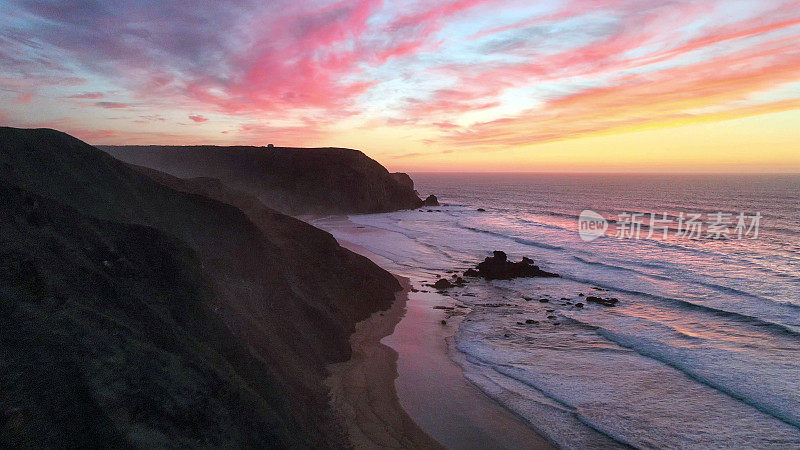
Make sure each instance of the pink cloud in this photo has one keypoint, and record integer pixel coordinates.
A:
(626, 100)
(88, 95)
(310, 58)
(571, 9)
(152, 118)
(93, 135)
(669, 96)
(23, 98)
(478, 85)
(317, 63)
(112, 105)
(298, 64)
(411, 31)
(309, 134)
(431, 17)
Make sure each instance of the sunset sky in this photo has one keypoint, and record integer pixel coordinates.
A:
(437, 85)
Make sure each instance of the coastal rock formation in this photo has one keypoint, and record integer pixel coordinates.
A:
(442, 284)
(498, 267)
(431, 200)
(138, 314)
(290, 180)
(404, 180)
(602, 301)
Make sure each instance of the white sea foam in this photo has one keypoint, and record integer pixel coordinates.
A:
(703, 349)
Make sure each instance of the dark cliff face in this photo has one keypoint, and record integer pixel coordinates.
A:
(404, 180)
(137, 314)
(318, 261)
(290, 180)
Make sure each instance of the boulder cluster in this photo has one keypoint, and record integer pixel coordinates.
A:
(443, 283)
(611, 301)
(498, 267)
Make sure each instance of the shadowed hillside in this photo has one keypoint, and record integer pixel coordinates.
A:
(142, 315)
(290, 180)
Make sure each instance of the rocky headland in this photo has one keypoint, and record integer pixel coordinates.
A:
(142, 310)
(293, 181)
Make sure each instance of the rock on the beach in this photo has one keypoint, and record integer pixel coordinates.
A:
(442, 284)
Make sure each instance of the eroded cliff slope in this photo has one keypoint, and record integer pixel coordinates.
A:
(138, 314)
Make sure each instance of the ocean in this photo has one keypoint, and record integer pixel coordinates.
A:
(703, 348)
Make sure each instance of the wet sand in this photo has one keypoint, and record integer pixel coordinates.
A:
(362, 389)
(402, 390)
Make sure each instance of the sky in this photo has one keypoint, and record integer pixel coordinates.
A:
(435, 85)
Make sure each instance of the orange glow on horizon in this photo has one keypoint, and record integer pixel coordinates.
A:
(440, 85)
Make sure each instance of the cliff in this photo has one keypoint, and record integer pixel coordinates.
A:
(290, 180)
(139, 314)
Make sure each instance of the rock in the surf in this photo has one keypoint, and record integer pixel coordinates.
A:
(431, 201)
(602, 301)
(498, 267)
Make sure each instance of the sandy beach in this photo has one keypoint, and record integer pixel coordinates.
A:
(362, 389)
(401, 389)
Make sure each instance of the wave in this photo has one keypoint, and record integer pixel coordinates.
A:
(660, 277)
(660, 352)
(714, 286)
(625, 269)
(742, 317)
(513, 373)
(763, 227)
(512, 238)
(717, 287)
(408, 233)
(667, 244)
(671, 246)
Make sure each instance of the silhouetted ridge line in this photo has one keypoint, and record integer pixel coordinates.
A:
(290, 180)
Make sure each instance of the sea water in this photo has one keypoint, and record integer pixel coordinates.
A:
(703, 348)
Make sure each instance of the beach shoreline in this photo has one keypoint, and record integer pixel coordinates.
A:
(362, 392)
(402, 389)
